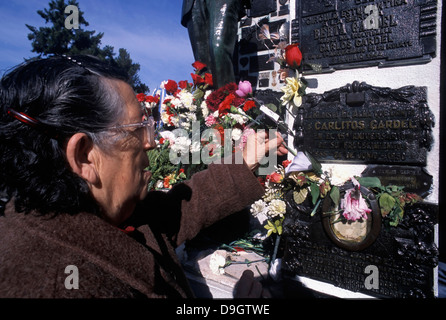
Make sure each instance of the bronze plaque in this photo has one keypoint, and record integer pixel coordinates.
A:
(341, 34)
(359, 123)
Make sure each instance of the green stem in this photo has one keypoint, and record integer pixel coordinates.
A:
(276, 248)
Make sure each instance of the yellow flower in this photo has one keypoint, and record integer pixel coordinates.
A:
(291, 92)
(275, 227)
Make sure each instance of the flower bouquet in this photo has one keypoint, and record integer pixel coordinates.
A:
(197, 125)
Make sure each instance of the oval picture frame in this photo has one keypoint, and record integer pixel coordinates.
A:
(349, 235)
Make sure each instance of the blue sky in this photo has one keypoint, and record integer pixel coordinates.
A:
(149, 29)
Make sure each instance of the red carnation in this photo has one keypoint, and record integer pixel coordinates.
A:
(208, 79)
(249, 105)
(141, 97)
(197, 78)
(198, 65)
(171, 86)
(216, 97)
(152, 99)
(183, 84)
(225, 106)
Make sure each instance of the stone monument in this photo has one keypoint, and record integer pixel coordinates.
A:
(372, 109)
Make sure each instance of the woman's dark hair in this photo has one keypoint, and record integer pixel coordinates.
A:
(68, 95)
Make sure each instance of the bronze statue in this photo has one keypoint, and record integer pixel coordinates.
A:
(212, 27)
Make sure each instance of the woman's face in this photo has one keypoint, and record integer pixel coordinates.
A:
(123, 178)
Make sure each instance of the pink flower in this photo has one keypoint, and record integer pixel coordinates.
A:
(246, 133)
(244, 88)
(210, 120)
(353, 204)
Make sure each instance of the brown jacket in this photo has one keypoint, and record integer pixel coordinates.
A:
(36, 250)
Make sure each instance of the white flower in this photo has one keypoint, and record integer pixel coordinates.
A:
(164, 117)
(236, 134)
(149, 105)
(162, 84)
(186, 99)
(191, 116)
(204, 109)
(206, 94)
(259, 210)
(176, 102)
(276, 207)
(240, 119)
(175, 121)
(182, 144)
(271, 193)
(169, 135)
(258, 207)
(217, 262)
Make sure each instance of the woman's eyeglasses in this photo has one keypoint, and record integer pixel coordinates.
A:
(148, 124)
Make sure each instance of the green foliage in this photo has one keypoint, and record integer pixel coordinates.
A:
(160, 165)
(335, 195)
(391, 199)
(56, 39)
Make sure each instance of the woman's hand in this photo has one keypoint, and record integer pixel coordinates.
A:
(249, 287)
(259, 145)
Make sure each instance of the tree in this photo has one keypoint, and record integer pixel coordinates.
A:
(125, 62)
(58, 39)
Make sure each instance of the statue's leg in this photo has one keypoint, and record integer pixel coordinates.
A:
(198, 29)
(224, 16)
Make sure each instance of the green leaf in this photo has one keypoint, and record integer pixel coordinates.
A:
(386, 202)
(300, 196)
(198, 94)
(369, 182)
(315, 192)
(335, 195)
(399, 211)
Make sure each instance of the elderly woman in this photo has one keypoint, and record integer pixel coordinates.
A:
(73, 179)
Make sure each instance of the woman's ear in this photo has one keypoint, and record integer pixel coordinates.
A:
(80, 156)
